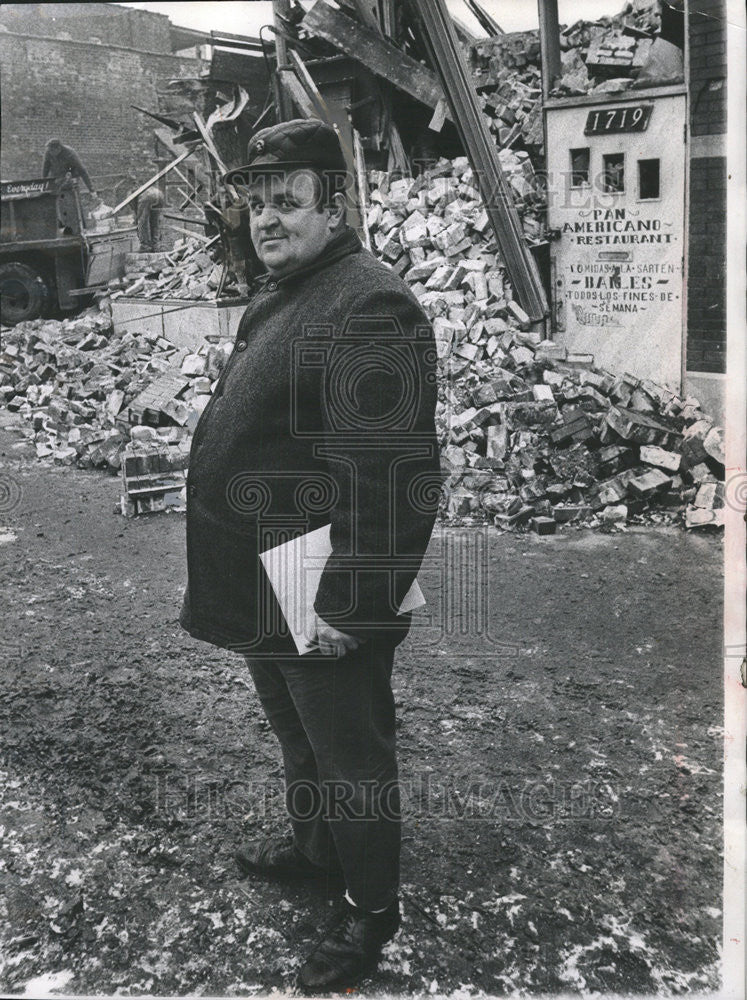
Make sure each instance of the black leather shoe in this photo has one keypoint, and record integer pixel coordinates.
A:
(351, 949)
(276, 858)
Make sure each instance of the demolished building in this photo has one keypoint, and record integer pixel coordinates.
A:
(535, 431)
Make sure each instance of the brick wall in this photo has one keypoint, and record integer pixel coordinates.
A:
(111, 24)
(707, 39)
(706, 284)
(81, 93)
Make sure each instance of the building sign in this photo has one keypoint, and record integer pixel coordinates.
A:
(605, 293)
(616, 207)
(27, 189)
(633, 118)
(615, 227)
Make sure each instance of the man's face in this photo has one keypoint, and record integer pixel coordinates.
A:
(287, 228)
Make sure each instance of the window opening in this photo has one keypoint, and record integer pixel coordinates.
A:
(649, 183)
(580, 166)
(613, 173)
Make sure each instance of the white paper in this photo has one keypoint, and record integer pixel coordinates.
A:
(295, 569)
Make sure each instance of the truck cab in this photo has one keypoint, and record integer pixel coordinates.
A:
(49, 259)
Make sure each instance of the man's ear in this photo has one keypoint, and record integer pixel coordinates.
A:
(337, 210)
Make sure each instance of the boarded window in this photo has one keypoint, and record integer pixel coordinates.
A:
(613, 173)
(649, 183)
(580, 167)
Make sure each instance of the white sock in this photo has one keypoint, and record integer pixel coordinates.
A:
(353, 903)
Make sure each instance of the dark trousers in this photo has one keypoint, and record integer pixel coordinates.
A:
(335, 723)
(149, 211)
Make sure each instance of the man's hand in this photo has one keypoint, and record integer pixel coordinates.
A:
(331, 642)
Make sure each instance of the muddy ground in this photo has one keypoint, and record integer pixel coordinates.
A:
(561, 766)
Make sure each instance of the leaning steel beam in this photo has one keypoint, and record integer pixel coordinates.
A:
(484, 19)
(375, 52)
(480, 147)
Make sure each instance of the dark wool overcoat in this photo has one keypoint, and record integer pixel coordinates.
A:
(323, 414)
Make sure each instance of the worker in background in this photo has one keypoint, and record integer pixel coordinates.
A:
(62, 161)
(148, 215)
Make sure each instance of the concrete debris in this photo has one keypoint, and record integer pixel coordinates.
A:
(528, 432)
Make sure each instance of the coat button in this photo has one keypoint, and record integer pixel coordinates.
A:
(272, 286)
(241, 346)
(192, 490)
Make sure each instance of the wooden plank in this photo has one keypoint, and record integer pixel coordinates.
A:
(337, 117)
(439, 116)
(366, 14)
(175, 148)
(148, 183)
(292, 86)
(362, 182)
(374, 52)
(467, 37)
(197, 236)
(280, 13)
(327, 111)
(208, 140)
(387, 18)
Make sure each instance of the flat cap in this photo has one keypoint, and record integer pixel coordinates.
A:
(302, 142)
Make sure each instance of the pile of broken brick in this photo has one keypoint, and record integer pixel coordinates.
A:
(506, 73)
(187, 271)
(602, 56)
(97, 398)
(531, 435)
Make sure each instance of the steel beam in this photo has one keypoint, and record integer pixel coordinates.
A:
(483, 155)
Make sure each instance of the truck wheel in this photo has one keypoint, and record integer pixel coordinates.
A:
(23, 293)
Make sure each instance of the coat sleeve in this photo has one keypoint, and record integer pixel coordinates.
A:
(77, 168)
(47, 164)
(378, 403)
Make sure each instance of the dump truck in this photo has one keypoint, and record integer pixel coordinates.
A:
(50, 260)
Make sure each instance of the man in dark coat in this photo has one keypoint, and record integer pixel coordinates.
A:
(61, 161)
(323, 415)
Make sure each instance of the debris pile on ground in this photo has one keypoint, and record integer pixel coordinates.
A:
(188, 271)
(530, 434)
(82, 387)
